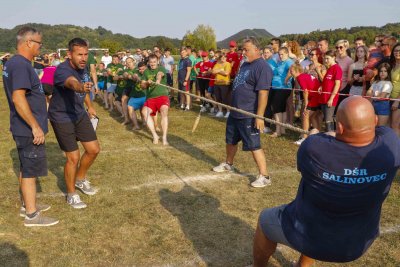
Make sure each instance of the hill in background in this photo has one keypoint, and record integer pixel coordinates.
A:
(258, 33)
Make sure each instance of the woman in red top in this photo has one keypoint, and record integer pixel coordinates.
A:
(329, 90)
(203, 71)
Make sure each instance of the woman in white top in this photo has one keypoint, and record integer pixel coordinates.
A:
(381, 87)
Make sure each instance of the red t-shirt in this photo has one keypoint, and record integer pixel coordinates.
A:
(309, 83)
(334, 73)
(204, 67)
(233, 57)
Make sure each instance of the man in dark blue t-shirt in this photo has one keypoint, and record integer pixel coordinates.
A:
(184, 69)
(249, 93)
(335, 215)
(28, 122)
(71, 122)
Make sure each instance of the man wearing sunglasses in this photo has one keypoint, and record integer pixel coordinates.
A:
(28, 122)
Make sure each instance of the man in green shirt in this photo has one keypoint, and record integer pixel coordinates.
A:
(157, 98)
(137, 96)
(112, 70)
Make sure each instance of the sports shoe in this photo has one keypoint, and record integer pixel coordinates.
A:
(223, 167)
(261, 181)
(212, 110)
(203, 109)
(267, 130)
(75, 202)
(182, 106)
(39, 220)
(84, 186)
(219, 114)
(187, 108)
(298, 142)
(39, 207)
(227, 114)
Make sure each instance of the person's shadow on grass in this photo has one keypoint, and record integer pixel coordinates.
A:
(11, 256)
(55, 165)
(220, 239)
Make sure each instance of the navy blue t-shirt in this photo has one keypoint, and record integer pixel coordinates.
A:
(184, 63)
(252, 77)
(18, 74)
(67, 105)
(335, 216)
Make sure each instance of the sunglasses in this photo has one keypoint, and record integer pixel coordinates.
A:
(384, 44)
(313, 54)
(339, 47)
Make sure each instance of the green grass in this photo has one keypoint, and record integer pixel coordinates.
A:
(151, 211)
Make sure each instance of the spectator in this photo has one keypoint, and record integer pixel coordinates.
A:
(356, 71)
(395, 75)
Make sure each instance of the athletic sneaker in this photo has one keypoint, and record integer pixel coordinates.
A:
(261, 181)
(39, 220)
(203, 109)
(85, 187)
(223, 167)
(227, 114)
(39, 207)
(187, 108)
(298, 142)
(75, 202)
(212, 110)
(182, 106)
(219, 114)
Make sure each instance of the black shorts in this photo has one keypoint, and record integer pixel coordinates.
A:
(243, 130)
(203, 86)
(170, 79)
(48, 89)
(118, 97)
(278, 100)
(68, 133)
(32, 158)
(314, 108)
(127, 91)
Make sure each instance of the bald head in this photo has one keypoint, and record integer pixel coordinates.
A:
(356, 116)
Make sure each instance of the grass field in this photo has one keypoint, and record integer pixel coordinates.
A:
(161, 206)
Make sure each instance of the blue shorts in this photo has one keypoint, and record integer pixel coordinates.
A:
(32, 158)
(210, 89)
(271, 225)
(136, 103)
(111, 87)
(101, 85)
(243, 130)
(381, 107)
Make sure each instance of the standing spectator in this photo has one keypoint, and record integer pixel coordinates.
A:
(233, 58)
(395, 75)
(203, 69)
(316, 69)
(106, 58)
(344, 182)
(344, 62)
(276, 45)
(329, 90)
(323, 46)
(250, 93)
(359, 41)
(356, 71)
(138, 56)
(381, 87)
(47, 80)
(184, 69)
(167, 61)
(71, 122)
(28, 122)
(38, 64)
(222, 70)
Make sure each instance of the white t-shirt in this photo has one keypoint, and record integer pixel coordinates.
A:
(106, 60)
(167, 63)
(381, 86)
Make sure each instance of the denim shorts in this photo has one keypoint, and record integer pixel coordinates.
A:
(381, 107)
(271, 225)
(243, 130)
(111, 87)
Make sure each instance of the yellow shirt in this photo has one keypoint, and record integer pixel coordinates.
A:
(396, 83)
(221, 79)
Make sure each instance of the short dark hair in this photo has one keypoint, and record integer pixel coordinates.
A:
(76, 42)
(24, 31)
(279, 41)
(330, 53)
(167, 49)
(141, 64)
(152, 56)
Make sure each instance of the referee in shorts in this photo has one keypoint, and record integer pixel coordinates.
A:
(71, 122)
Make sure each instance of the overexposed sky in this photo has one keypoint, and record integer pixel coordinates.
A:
(173, 18)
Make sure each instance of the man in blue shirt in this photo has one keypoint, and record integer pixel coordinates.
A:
(28, 122)
(71, 122)
(345, 179)
(249, 93)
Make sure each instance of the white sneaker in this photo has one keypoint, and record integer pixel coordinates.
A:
(223, 167)
(75, 202)
(212, 110)
(298, 142)
(219, 114)
(261, 181)
(267, 130)
(227, 114)
(203, 109)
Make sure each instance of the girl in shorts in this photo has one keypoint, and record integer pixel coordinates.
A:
(381, 87)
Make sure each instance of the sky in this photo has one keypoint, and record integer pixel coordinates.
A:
(174, 18)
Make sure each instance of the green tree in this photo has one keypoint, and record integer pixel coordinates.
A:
(113, 46)
(203, 37)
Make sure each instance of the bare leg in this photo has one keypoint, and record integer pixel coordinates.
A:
(230, 153)
(395, 123)
(125, 99)
(164, 123)
(119, 107)
(263, 248)
(70, 169)
(132, 115)
(110, 101)
(92, 149)
(28, 189)
(150, 123)
(305, 261)
(259, 158)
